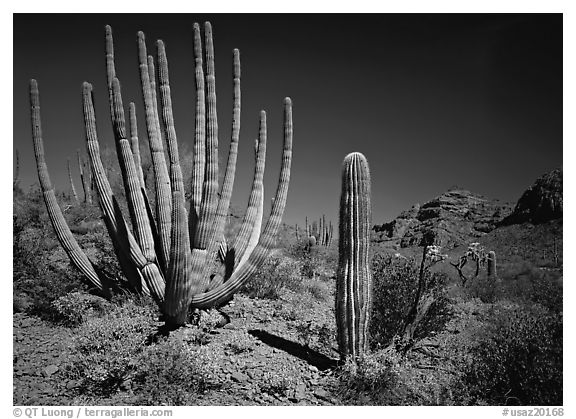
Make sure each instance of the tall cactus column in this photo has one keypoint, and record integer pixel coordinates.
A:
(354, 277)
(492, 264)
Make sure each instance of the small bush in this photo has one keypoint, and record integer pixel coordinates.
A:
(315, 334)
(395, 285)
(74, 308)
(278, 272)
(273, 384)
(240, 343)
(106, 349)
(519, 359)
(172, 373)
(373, 380)
(318, 262)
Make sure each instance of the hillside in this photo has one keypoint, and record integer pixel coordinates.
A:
(454, 217)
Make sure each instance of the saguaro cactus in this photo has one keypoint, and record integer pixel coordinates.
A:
(354, 277)
(179, 257)
(492, 264)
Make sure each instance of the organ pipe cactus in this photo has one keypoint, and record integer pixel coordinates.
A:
(177, 255)
(354, 277)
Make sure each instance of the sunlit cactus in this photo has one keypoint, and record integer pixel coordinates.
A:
(354, 277)
(178, 256)
(492, 264)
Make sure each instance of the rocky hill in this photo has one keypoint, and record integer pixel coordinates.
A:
(458, 216)
(541, 202)
(454, 218)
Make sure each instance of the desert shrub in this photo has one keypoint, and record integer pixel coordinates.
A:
(316, 334)
(106, 350)
(240, 343)
(173, 372)
(41, 271)
(374, 379)
(319, 290)
(395, 283)
(74, 308)
(277, 272)
(485, 289)
(274, 384)
(318, 262)
(524, 283)
(519, 359)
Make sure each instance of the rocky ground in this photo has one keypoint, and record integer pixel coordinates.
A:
(267, 365)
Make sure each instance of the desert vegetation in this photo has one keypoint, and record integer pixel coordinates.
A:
(185, 302)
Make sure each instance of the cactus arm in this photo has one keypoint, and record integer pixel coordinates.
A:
(134, 197)
(152, 77)
(134, 144)
(135, 148)
(84, 179)
(239, 277)
(161, 178)
(217, 248)
(74, 194)
(247, 237)
(228, 183)
(249, 233)
(199, 135)
(208, 206)
(354, 277)
(132, 260)
(65, 237)
(179, 278)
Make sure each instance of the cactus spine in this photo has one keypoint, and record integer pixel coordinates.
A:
(354, 277)
(171, 254)
(492, 264)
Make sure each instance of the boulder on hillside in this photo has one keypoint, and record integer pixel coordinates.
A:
(541, 202)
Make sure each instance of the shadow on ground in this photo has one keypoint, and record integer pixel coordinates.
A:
(320, 361)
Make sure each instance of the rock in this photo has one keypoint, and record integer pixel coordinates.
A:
(49, 370)
(300, 391)
(541, 202)
(322, 394)
(239, 377)
(126, 385)
(73, 384)
(312, 368)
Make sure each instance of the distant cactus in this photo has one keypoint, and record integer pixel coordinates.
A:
(311, 241)
(179, 256)
(492, 264)
(320, 230)
(16, 176)
(85, 180)
(72, 188)
(354, 277)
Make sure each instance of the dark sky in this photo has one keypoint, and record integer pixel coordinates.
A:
(431, 100)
